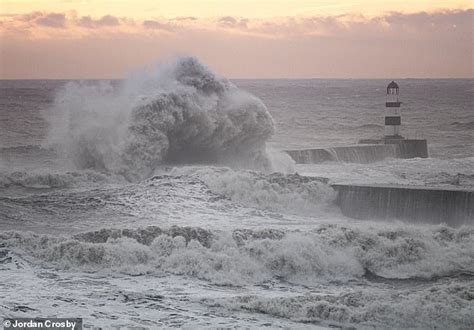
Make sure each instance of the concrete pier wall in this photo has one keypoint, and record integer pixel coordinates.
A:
(362, 153)
(350, 154)
(413, 148)
(417, 204)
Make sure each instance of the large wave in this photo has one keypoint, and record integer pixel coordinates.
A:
(179, 113)
(395, 276)
(244, 256)
(286, 193)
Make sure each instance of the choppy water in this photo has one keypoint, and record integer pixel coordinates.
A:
(152, 203)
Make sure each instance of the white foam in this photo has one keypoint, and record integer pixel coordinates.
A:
(442, 305)
(243, 257)
(180, 112)
(286, 193)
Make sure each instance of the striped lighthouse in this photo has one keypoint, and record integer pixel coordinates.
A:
(392, 112)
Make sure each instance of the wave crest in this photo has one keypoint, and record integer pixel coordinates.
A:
(183, 113)
(241, 257)
(287, 193)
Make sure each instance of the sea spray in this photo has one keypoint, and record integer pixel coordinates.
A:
(182, 113)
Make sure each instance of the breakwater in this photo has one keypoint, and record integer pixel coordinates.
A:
(417, 204)
(362, 153)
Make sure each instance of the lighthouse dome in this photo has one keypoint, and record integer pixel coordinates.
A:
(393, 84)
(392, 88)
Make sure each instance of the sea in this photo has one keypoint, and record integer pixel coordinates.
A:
(166, 200)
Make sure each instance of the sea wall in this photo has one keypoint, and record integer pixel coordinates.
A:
(350, 154)
(413, 148)
(417, 204)
(363, 153)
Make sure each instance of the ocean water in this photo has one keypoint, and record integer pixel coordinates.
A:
(165, 200)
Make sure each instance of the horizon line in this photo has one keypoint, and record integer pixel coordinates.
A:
(281, 78)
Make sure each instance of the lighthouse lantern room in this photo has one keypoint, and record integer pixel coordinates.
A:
(392, 112)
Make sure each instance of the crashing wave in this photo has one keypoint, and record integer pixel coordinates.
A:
(214, 195)
(183, 113)
(286, 193)
(240, 257)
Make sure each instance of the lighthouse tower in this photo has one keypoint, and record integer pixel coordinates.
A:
(392, 112)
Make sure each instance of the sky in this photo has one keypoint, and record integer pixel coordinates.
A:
(82, 39)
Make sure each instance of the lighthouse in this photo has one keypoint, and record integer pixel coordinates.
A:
(392, 112)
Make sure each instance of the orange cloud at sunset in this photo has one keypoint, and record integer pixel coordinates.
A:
(74, 43)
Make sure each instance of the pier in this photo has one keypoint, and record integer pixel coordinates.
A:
(435, 205)
(367, 151)
(391, 145)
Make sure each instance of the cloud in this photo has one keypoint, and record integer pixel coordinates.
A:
(437, 44)
(232, 22)
(440, 18)
(107, 20)
(54, 20)
(393, 25)
(283, 27)
(186, 18)
(51, 20)
(28, 17)
(227, 20)
(157, 25)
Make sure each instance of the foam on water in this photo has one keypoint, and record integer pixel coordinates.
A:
(445, 305)
(243, 257)
(124, 239)
(365, 275)
(286, 193)
(214, 197)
